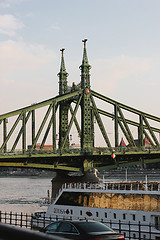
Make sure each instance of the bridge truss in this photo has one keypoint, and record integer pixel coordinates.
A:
(23, 115)
(76, 105)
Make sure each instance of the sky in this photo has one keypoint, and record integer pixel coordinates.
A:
(123, 49)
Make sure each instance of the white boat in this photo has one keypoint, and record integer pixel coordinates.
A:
(133, 208)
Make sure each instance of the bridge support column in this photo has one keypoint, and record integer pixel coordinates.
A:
(140, 132)
(87, 131)
(63, 125)
(24, 133)
(64, 177)
(33, 126)
(5, 133)
(54, 127)
(64, 106)
(116, 125)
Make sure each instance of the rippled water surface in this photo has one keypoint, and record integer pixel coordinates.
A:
(23, 194)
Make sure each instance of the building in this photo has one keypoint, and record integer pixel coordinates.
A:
(146, 143)
(45, 147)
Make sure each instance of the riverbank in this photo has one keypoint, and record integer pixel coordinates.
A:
(129, 174)
(23, 172)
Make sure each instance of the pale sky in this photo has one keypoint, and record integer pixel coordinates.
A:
(123, 49)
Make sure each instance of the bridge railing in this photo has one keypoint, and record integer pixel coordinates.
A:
(98, 150)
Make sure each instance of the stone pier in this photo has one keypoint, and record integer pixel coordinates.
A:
(62, 177)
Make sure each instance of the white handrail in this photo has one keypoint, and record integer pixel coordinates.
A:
(112, 186)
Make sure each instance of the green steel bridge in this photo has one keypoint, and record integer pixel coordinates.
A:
(76, 107)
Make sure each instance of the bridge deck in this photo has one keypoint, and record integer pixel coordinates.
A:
(76, 162)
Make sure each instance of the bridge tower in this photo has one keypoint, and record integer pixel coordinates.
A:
(64, 105)
(87, 124)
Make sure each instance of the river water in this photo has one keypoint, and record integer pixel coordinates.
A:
(23, 194)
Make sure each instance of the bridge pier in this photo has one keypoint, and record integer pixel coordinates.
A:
(63, 177)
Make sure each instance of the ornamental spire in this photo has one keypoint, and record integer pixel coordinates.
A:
(62, 75)
(85, 58)
(62, 69)
(85, 69)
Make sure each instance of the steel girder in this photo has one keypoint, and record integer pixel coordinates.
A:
(100, 123)
(41, 127)
(35, 106)
(130, 137)
(130, 122)
(52, 122)
(71, 122)
(116, 125)
(63, 123)
(11, 131)
(123, 122)
(123, 106)
(144, 128)
(140, 131)
(150, 130)
(24, 115)
(21, 132)
(75, 122)
(5, 133)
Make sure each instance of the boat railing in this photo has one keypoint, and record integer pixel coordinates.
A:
(123, 186)
(127, 186)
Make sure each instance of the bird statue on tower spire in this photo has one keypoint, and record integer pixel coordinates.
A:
(85, 58)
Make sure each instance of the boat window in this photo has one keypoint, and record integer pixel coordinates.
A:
(134, 217)
(91, 199)
(114, 215)
(71, 211)
(157, 222)
(105, 215)
(73, 199)
(80, 212)
(96, 214)
(134, 236)
(144, 218)
(124, 216)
